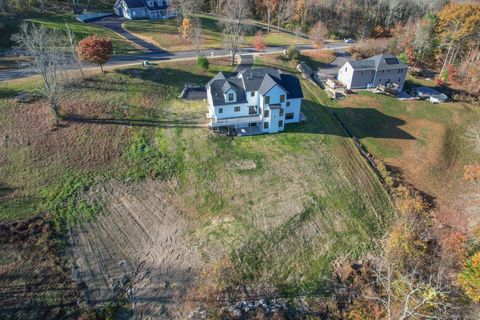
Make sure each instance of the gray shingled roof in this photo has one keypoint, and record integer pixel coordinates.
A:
(218, 93)
(268, 83)
(384, 61)
(135, 4)
(143, 4)
(248, 80)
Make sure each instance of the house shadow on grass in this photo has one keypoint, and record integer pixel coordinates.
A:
(174, 78)
(180, 123)
(358, 122)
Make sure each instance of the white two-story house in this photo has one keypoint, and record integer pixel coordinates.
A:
(144, 9)
(254, 101)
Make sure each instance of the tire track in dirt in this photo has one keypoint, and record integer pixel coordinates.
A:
(138, 245)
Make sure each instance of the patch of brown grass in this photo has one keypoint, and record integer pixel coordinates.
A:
(323, 56)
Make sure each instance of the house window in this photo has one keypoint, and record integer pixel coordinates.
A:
(361, 72)
(288, 103)
(282, 98)
(265, 125)
(220, 110)
(267, 100)
(252, 110)
(236, 109)
(281, 112)
(252, 94)
(254, 124)
(399, 70)
(399, 80)
(379, 80)
(289, 116)
(266, 114)
(230, 97)
(345, 68)
(280, 123)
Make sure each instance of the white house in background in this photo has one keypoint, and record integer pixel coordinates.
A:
(384, 69)
(254, 101)
(144, 9)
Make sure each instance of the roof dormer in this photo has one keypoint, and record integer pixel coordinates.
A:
(229, 92)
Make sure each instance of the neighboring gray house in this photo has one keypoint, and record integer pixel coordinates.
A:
(369, 73)
(144, 9)
(255, 101)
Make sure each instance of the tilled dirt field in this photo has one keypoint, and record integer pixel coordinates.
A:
(34, 282)
(139, 246)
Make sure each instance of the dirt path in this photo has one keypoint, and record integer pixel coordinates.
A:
(139, 246)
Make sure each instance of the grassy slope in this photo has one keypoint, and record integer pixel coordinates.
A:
(424, 141)
(282, 207)
(80, 29)
(165, 33)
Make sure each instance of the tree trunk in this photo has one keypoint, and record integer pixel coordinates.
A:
(233, 57)
(56, 114)
(101, 68)
(81, 70)
(269, 17)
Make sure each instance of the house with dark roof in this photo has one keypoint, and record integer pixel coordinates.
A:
(144, 9)
(384, 69)
(254, 101)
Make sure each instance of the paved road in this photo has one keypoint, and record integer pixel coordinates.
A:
(114, 23)
(125, 60)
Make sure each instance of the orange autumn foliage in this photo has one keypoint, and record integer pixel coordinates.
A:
(472, 172)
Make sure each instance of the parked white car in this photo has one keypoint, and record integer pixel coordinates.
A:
(349, 40)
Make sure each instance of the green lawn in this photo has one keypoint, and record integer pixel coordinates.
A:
(424, 142)
(57, 21)
(165, 34)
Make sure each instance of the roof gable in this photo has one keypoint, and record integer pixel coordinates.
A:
(383, 61)
(248, 80)
(268, 83)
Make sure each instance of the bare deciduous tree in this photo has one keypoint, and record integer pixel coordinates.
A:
(410, 293)
(46, 48)
(235, 12)
(196, 35)
(282, 7)
(270, 7)
(73, 49)
(187, 7)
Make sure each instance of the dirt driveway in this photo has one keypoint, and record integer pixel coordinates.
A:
(138, 246)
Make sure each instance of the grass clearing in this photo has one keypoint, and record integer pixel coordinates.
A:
(280, 208)
(80, 30)
(165, 34)
(422, 140)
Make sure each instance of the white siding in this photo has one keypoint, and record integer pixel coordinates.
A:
(345, 75)
(229, 111)
(295, 109)
(274, 116)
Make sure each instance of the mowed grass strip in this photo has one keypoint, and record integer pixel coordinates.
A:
(165, 34)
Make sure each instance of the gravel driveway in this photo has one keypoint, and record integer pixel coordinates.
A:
(332, 68)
